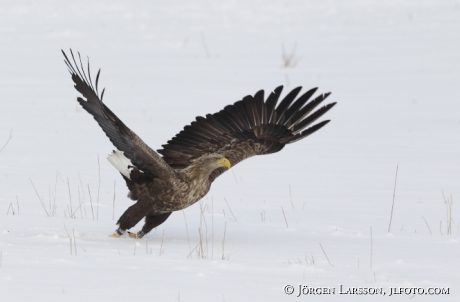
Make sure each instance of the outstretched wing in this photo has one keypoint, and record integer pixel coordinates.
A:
(252, 126)
(141, 155)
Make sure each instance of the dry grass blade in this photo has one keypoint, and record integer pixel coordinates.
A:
(290, 197)
(99, 176)
(70, 238)
(39, 198)
(193, 249)
(394, 194)
(8, 140)
(212, 228)
(205, 46)
(186, 228)
(290, 60)
(91, 202)
(162, 239)
(372, 247)
(74, 242)
(223, 242)
(72, 214)
(17, 202)
(113, 207)
(234, 218)
(70, 198)
(325, 254)
(448, 201)
(427, 226)
(287, 226)
(82, 194)
(10, 206)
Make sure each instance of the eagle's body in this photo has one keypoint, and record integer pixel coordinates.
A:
(178, 190)
(196, 156)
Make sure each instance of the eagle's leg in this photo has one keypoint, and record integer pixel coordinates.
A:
(131, 217)
(151, 221)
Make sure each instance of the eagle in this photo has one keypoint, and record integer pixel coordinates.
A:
(181, 173)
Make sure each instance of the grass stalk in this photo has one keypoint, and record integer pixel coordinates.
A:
(223, 241)
(234, 176)
(448, 201)
(113, 211)
(17, 203)
(70, 239)
(10, 206)
(193, 250)
(212, 228)
(200, 244)
(98, 187)
(205, 46)
(372, 247)
(186, 228)
(91, 202)
(39, 198)
(289, 60)
(7, 141)
(79, 201)
(70, 197)
(234, 218)
(74, 242)
(162, 239)
(287, 226)
(427, 226)
(394, 194)
(83, 194)
(325, 254)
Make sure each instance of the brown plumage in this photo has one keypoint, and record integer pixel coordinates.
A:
(197, 155)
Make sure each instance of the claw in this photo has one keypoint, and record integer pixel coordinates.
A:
(117, 233)
(134, 235)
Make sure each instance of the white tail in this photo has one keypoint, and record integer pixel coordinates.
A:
(119, 161)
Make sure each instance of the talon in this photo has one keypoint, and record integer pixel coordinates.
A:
(117, 234)
(133, 235)
(137, 235)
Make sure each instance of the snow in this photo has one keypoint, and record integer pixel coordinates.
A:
(315, 214)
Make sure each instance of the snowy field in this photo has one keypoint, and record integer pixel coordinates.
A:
(315, 214)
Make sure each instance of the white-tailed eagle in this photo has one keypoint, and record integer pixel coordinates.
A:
(181, 173)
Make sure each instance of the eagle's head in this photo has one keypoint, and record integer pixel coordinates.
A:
(203, 166)
(213, 161)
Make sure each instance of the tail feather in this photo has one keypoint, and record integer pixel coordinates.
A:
(121, 163)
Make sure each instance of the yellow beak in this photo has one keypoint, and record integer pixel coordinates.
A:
(224, 162)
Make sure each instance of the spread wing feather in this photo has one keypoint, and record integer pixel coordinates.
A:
(141, 155)
(249, 127)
